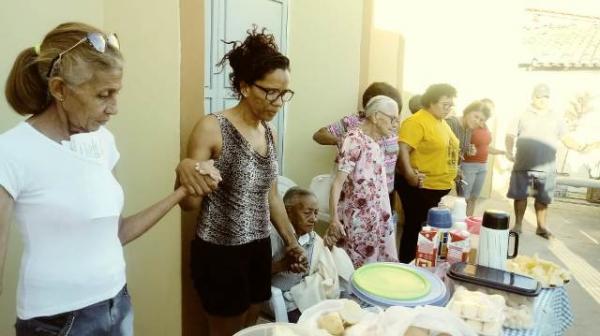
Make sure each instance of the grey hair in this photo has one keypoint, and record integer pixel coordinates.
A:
(383, 104)
(292, 196)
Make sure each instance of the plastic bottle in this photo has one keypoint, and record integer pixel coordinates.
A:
(459, 210)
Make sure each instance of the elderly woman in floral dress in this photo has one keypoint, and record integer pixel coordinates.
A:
(361, 220)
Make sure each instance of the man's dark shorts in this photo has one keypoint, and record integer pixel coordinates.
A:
(537, 184)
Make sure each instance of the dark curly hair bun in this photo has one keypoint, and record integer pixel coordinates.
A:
(252, 59)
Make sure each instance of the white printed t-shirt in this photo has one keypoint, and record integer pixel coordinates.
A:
(67, 208)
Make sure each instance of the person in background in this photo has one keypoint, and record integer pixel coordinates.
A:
(414, 104)
(427, 164)
(473, 166)
(321, 280)
(361, 216)
(57, 179)
(536, 135)
(232, 171)
(472, 118)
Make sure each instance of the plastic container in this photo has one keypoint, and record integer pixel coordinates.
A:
(473, 224)
(519, 291)
(484, 313)
(439, 217)
(459, 209)
(491, 279)
(275, 329)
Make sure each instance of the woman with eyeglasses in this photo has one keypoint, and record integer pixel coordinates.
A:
(56, 179)
(361, 216)
(427, 164)
(232, 172)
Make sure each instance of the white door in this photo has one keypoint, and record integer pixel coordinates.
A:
(229, 20)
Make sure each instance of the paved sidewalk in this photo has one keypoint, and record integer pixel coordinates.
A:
(576, 227)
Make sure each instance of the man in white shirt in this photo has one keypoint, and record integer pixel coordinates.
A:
(536, 134)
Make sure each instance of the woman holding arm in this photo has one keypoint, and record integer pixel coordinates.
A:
(233, 171)
(56, 179)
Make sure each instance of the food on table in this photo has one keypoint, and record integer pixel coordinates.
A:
(546, 272)
(482, 312)
(283, 331)
(332, 323)
(351, 313)
(416, 331)
(518, 317)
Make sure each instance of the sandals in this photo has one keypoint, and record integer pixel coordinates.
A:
(544, 233)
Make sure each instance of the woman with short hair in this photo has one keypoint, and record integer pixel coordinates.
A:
(361, 216)
(427, 163)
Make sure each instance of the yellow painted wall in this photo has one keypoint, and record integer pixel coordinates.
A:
(146, 130)
(192, 108)
(23, 24)
(324, 51)
(382, 52)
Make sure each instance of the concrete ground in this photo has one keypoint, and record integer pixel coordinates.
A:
(576, 226)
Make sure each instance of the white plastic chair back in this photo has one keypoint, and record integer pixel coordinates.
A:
(284, 184)
(320, 186)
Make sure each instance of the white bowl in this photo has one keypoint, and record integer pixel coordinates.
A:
(268, 329)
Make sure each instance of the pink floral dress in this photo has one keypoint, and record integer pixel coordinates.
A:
(364, 206)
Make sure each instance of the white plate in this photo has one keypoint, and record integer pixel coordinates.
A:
(267, 329)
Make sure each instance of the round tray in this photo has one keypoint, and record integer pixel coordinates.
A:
(436, 296)
(391, 281)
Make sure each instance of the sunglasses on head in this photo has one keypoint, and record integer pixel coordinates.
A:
(98, 41)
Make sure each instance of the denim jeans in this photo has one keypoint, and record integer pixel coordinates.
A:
(474, 174)
(112, 317)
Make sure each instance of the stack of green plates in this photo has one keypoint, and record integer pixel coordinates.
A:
(390, 284)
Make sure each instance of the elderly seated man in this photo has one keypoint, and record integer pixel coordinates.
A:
(301, 291)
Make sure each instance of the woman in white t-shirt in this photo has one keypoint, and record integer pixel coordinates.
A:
(56, 179)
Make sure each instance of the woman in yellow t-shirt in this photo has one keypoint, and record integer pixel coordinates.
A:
(427, 162)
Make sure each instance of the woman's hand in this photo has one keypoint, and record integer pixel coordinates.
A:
(334, 233)
(296, 259)
(198, 177)
(416, 179)
(472, 150)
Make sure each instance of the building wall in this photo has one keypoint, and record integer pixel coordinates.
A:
(324, 50)
(147, 134)
(147, 130)
(192, 108)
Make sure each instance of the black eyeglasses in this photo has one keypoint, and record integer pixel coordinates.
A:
(393, 120)
(97, 40)
(271, 95)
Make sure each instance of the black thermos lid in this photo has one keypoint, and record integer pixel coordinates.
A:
(495, 219)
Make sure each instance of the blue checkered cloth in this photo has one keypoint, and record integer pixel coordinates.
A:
(552, 314)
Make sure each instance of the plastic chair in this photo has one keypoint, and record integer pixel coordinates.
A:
(277, 305)
(320, 186)
(284, 184)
